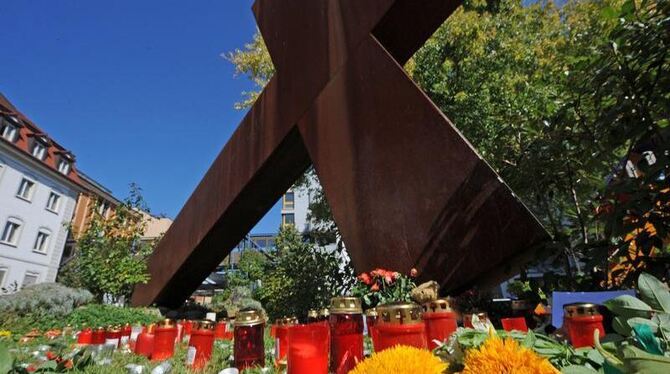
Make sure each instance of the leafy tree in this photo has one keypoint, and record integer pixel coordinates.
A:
(110, 256)
(301, 276)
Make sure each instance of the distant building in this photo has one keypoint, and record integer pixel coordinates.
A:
(39, 186)
(294, 208)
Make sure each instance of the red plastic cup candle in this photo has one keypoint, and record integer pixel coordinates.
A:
(514, 324)
(145, 342)
(249, 349)
(309, 348)
(98, 336)
(400, 324)
(126, 331)
(200, 345)
(164, 338)
(113, 336)
(582, 320)
(282, 326)
(85, 336)
(346, 334)
(441, 321)
(188, 329)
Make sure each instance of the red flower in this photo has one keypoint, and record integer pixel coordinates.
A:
(51, 356)
(388, 277)
(375, 287)
(31, 368)
(365, 278)
(413, 273)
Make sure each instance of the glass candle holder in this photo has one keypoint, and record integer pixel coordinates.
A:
(282, 326)
(85, 336)
(98, 336)
(371, 320)
(346, 334)
(164, 338)
(126, 331)
(514, 324)
(188, 329)
(441, 321)
(582, 319)
(400, 324)
(145, 342)
(248, 348)
(309, 348)
(200, 345)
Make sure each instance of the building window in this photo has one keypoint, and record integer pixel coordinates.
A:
(288, 219)
(11, 232)
(9, 131)
(3, 275)
(42, 241)
(26, 189)
(29, 279)
(39, 150)
(64, 166)
(54, 202)
(103, 209)
(289, 200)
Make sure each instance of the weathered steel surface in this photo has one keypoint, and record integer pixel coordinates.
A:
(406, 189)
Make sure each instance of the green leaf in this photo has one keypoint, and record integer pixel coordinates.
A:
(620, 325)
(654, 292)
(639, 361)
(628, 307)
(5, 359)
(576, 369)
(529, 340)
(643, 321)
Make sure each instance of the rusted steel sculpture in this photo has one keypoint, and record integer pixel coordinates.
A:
(406, 189)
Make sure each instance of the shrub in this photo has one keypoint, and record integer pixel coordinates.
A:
(44, 298)
(240, 298)
(96, 315)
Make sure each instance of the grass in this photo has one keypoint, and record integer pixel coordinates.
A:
(29, 353)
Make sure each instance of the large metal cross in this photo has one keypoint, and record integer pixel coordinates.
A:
(405, 188)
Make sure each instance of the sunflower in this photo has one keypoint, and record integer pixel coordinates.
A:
(401, 360)
(505, 357)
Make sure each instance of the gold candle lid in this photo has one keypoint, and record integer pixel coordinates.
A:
(439, 305)
(151, 328)
(400, 314)
(249, 318)
(581, 310)
(324, 312)
(346, 305)
(372, 312)
(204, 325)
(166, 323)
(312, 314)
(286, 321)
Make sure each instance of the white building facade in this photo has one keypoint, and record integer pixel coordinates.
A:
(38, 193)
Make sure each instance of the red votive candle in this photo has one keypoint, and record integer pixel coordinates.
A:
(309, 348)
(441, 321)
(346, 334)
(188, 329)
(514, 324)
(582, 320)
(248, 349)
(145, 342)
(113, 336)
(126, 331)
(98, 336)
(164, 338)
(400, 324)
(200, 345)
(282, 326)
(85, 336)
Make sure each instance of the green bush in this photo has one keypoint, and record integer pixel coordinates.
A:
(44, 298)
(96, 315)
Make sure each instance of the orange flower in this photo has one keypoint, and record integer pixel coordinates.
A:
(375, 287)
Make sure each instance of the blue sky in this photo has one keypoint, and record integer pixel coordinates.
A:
(136, 89)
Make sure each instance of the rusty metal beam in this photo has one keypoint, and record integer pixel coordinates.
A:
(406, 189)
